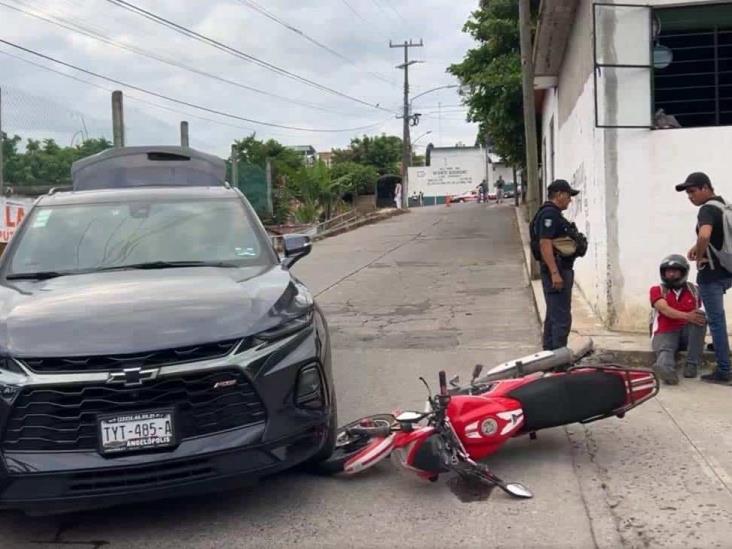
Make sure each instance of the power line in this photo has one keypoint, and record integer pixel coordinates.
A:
(264, 11)
(180, 101)
(356, 13)
(75, 27)
(134, 98)
(235, 52)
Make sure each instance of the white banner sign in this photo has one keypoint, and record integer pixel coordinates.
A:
(13, 211)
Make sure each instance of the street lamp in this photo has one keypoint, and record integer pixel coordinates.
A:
(434, 89)
(421, 136)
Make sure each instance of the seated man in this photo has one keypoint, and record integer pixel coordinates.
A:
(678, 321)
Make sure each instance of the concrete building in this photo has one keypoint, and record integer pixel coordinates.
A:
(326, 157)
(451, 171)
(497, 168)
(308, 152)
(604, 72)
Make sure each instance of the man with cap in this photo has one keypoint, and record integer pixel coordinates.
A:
(713, 279)
(548, 228)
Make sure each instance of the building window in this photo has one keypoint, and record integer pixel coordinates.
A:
(692, 75)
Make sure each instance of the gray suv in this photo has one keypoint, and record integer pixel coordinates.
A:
(154, 344)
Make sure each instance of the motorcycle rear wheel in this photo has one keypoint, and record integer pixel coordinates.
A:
(349, 444)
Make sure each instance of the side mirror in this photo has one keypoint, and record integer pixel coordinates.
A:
(295, 246)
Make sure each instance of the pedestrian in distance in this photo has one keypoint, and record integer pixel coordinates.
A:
(482, 191)
(556, 243)
(499, 189)
(713, 258)
(398, 195)
(678, 322)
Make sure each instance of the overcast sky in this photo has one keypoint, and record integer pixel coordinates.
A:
(40, 103)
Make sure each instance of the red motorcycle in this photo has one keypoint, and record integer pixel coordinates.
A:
(463, 425)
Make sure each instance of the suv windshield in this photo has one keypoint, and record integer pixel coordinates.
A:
(69, 239)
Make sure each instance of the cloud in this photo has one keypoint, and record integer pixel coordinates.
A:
(370, 76)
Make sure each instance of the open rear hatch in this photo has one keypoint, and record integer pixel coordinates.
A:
(148, 167)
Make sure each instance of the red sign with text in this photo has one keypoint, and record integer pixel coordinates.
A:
(13, 212)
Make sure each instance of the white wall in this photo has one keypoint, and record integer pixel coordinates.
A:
(628, 206)
(578, 157)
(496, 170)
(450, 172)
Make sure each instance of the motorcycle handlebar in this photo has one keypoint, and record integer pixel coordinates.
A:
(443, 382)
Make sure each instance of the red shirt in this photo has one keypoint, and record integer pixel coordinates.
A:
(681, 300)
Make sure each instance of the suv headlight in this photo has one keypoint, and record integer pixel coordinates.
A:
(11, 378)
(285, 329)
(294, 309)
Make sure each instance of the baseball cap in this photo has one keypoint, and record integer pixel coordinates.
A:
(560, 185)
(696, 179)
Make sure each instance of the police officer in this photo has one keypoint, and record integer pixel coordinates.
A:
(557, 268)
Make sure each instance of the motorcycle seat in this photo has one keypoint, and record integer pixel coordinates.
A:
(570, 398)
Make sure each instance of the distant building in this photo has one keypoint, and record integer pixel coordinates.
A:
(451, 171)
(326, 158)
(308, 152)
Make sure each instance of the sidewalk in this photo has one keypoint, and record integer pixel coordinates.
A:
(623, 347)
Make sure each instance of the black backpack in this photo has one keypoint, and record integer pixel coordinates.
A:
(534, 236)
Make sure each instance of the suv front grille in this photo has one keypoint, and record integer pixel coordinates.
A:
(64, 417)
(177, 355)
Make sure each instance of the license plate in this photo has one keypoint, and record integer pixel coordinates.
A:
(136, 431)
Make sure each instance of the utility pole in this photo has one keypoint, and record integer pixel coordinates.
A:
(527, 74)
(407, 117)
(118, 119)
(234, 167)
(184, 142)
(2, 142)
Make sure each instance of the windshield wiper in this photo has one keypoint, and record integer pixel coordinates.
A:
(40, 275)
(168, 265)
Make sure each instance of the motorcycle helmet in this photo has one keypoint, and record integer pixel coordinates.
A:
(674, 261)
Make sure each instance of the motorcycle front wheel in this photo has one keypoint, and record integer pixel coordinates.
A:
(355, 438)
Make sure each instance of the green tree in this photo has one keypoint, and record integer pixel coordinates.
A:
(491, 76)
(383, 152)
(317, 192)
(356, 178)
(44, 162)
(252, 156)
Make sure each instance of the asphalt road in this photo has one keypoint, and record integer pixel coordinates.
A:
(441, 288)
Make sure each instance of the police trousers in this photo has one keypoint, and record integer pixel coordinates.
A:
(558, 321)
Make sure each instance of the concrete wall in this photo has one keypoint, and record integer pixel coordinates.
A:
(451, 172)
(495, 171)
(627, 206)
(568, 121)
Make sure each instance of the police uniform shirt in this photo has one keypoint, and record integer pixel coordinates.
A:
(551, 224)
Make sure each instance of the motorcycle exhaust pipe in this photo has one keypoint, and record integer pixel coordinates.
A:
(538, 362)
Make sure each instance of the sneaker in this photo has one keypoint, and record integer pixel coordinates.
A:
(668, 377)
(717, 376)
(690, 372)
